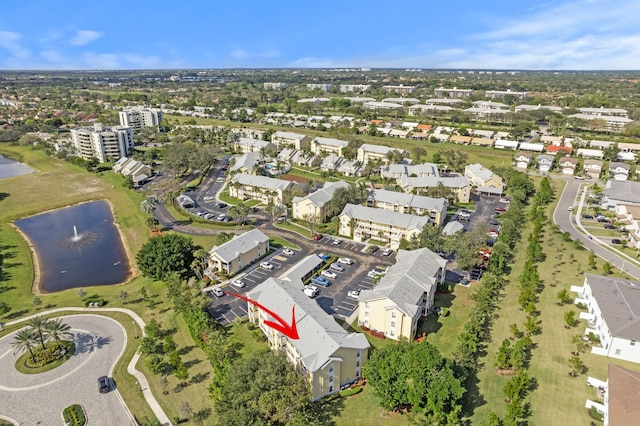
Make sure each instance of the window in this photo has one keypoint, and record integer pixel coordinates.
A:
(357, 364)
(633, 343)
(330, 388)
(358, 354)
(392, 333)
(618, 351)
(393, 324)
(393, 314)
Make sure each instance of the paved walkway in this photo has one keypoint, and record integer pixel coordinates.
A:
(10, 385)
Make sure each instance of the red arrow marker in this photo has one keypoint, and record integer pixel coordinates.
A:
(291, 331)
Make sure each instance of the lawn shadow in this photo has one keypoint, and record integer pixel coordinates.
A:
(472, 398)
(199, 378)
(191, 363)
(16, 314)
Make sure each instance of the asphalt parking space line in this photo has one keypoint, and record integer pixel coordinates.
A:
(249, 278)
(348, 303)
(244, 311)
(280, 258)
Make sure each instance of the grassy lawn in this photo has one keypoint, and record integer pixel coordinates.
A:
(363, 410)
(558, 398)
(295, 228)
(276, 241)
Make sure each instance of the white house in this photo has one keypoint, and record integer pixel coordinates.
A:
(506, 144)
(523, 159)
(613, 315)
(534, 147)
(590, 153)
(544, 163)
(619, 171)
(368, 152)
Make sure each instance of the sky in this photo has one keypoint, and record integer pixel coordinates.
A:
(471, 34)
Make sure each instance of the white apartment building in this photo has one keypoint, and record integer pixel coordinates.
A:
(325, 87)
(455, 93)
(101, 142)
(139, 117)
(344, 88)
(502, 93)
(399, 89)
(368, 152)
(275, 86)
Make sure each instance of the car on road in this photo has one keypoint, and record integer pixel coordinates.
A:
(311, 290)
(321, 281)
(288, 251)
(336, 267)
(354, 294)
(609, 226)
(266, 265)
(336, 242)
(103, 384)
(222, 205)
(317, 237)
(387, 252)
(346, 261)
(217, 291)
(238, 283)
(324, 256)
(570, 208)
(373, 249)
(579, 177)
(329, 274)
(587, 216)
(500, 209)
(616, 241)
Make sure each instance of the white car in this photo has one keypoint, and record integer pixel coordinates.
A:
(217, 291)
(570, 208)
(311, 290)
(329, 274)
(238, 284)
(387, 252)
(346, 261)
(336, 242)
(266, 265)
(504, 200)
(354, 294)
(288, 251)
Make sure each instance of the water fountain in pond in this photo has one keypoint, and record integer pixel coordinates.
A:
(80, 239)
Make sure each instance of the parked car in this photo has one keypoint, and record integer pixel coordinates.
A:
(324, 256)
(221, 217)
(500, 209)
(266, 265)
(587, 216)
(217, 291)
(208, 216)
(504, 201)
(387, 252)
(373, 249)
(238, 283)
(222, 205)
(464, 281)
(580, 177)
(311, 290)
(609, 226)
(317, 237)
(346, 261)
(336, 267)
(494, 222)
(329, 274)
(321, 281)
(103, 384)
(288, 251)
(616, 241)
(603, 219)
(354, 294)
(336, 242)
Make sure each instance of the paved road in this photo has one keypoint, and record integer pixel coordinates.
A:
(572, 196)
(40, 398)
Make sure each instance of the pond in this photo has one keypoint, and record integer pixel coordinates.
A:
(77, 246)
(10, 168)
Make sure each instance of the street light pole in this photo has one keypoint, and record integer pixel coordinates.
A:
(135, 330)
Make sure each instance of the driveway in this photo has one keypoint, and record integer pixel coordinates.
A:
(39, 399)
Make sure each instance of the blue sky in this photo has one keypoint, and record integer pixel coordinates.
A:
(497, 34)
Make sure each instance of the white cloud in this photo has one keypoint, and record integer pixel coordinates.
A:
(10, 41)
(239, 53)
(84, 37)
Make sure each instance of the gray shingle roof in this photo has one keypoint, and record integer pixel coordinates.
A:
(247, 160)
(431, 181)
(239, 244)
(380, 149)
(404, 199)
(323, 195)
(622, 191)
(261, 181)
(300, 269)
(619, 302)
(407, 170)
(331, 142)
(406, 282)
(320, 335)
(398, 220)
(289, 135)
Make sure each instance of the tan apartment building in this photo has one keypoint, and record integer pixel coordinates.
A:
(368, 152)
(239, 252)
(290, 140)
(325, 354)
(403, 295)
(482, 177)
(364, 223)
(401, 202)
(246, 145)
(328, 145)
(316, 206)
(458, 185)
(262, 188)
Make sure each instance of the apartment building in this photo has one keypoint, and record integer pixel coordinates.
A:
(363, 223)
(401, 202)
(500, 94)
(396, 171)
(325, 354)
(482, 177)
(454, 93)
(613, 314)
(368, 152)
(262, 188)
(290, 140)
(629, 215)
(620, 392)
(246, 145)
(403, 295)
(317, 205)
(603, 122)
(598, 112)
(325, 87)
(139, 117)
(328, 145)
(103, 143)
(344, 88)
(136, 170)
(458, 185)
(620, 192)
(239, 252)
(401, 89)
(487, 110)
(275, 86)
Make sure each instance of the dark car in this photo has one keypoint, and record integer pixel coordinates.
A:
(373, 249)
(603, 219)
(494, 222)
(222, 205)
(587, 216)
(609, 226)
(317, 237)
(103, 384)
(616, 241)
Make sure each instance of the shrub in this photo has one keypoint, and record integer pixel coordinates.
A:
(352, 391)
(74, 415)
(95, 301)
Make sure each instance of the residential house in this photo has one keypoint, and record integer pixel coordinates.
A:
(620, 192)
(331, 163)
(246, 145)
(590, 153)
(396, 171)
(404, 295)
(368, 152)
(620, 391)
(506, 144)
(460, 140)
(556, 149)
(246, 163)
(523, 159)
(488, 142)
(592, 168)
(568, 165)
(324, 353)
(317, 205)
(328, 145)
(619, 171)
(288, 139)
(534, 147)
(459, 185)
(239, 252)
(482, 177)
(435, 208)
(136, 170)
(544, 163)
(364, 223)
(613, 314)
(551, 140)
(262, 188)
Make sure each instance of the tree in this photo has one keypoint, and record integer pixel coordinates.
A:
(564, 297)
(416, 375)
(4, 309)
(454, 158)
(25, 340)
(37, 302)
(440, 191)
(418, 152)
(581, 345)
(37, 324)
(262, 389)
(123, 296)
(570, 318)
(607, 269)
(239, 211)
(166, 254)
(577, 366)
(81, 293)
(610, 153)
(57, 330)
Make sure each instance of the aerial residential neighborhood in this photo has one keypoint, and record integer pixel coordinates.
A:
(310, 222)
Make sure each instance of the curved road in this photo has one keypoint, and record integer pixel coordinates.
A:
(572, 196)
(39, 399)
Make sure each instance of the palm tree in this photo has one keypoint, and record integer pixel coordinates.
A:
(239, 211)
(37, 324)
(55, 329)
(25, 340)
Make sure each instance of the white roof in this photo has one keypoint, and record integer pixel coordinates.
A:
(431, 181)
(300, 269)
(323, 195)
(289, 135)
(331, 142)
(239, 245)
(380, 149)
(398, 220)
(261, 181)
